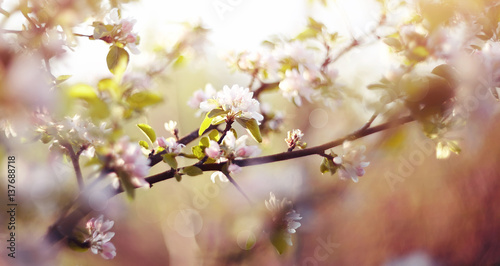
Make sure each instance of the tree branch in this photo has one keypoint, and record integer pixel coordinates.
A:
(64, 226)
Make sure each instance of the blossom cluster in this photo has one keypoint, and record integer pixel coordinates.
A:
(236, 101)
(117, 30)
(75, 131)
(230, 149)
(128, 162)
(99, 237)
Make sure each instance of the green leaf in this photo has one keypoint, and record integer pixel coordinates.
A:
(198, 151)
(307, 34)
(192, 171)
(62, 78)
(204, 125)
(323, 168)
(82, 91)
(169, 158)
(178, 177)
(143, 99)
(144, 144)
(76, 245)
(214, 135)
(216, 112)
(205, 142)
(149, 131)
(117, 60)
(278, 241)
(252, 128)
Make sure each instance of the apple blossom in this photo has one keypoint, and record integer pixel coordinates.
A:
(129, 162)
(200, 96)
(237, 101)
(352, 162)
(99, 237)
(284, 216)
(295, 86)
(170, 145)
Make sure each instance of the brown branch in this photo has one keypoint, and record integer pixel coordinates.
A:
(64, 226)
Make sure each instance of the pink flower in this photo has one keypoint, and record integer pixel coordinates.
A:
(238, 147)
(170, 145)
(213, 151)
(295, 86)
(128, 158)
(99, 237)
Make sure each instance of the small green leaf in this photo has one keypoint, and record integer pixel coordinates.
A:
(178, 177)
(143, 99)
(278, 241)
(252, 128)
(198, 151)
(117, 60)
(82, 91)
(214, 135)
(149, 131)
(205, 142)
(192, 171)
(204, 125)
(216, 112)
(323, 168)
(169, 158)
(62, 78)
(144, 144)
(76, 245)
(307, 34)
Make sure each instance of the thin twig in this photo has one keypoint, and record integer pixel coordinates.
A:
(76, 165)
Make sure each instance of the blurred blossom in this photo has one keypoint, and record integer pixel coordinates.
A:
(129, 162)
(121, 31)
(73, 130)
(413, 259)
(170, 145)
(277, 121)
(171, 126)
(262, 62)
(99, 237)
(297, 52)
(237, 101)
(352, 162)
(200, 96)
(7, 128)
(194, 39)
(232, 148)
(284, 216)
(138, 81)
(490, 57)
(295, 86)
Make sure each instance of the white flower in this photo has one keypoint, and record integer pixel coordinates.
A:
(284, 216)
(170, 145)
(99, 237)
(237, 101)
(171, 126)
(294, 139)
(128, 158)
(294, 86)
(352, 162)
